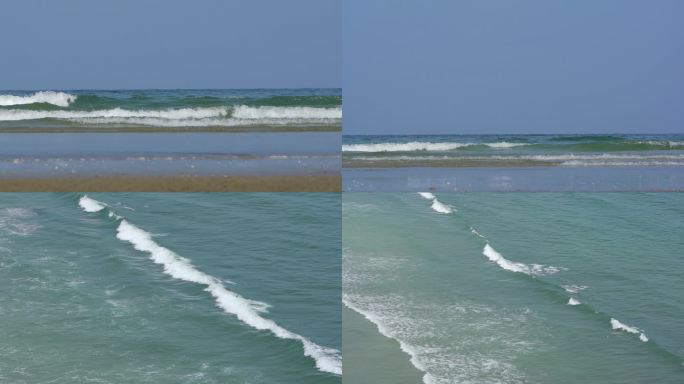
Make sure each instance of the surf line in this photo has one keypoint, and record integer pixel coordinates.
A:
(248, 311)
(405, 347)
(437, 205)
(537, 269)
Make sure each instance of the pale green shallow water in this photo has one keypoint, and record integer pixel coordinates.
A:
(423, 279)
(79, 305)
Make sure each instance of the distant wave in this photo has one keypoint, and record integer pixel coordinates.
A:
(427, 195)
(171, 114)
(90, 205)
(573, 288)
(60, 99)
(437, 205)
(246, 112)
(534, 269)
(421, 146)
(644, 163)
(204, 116)
(617, 325)
(573, 301)
(248, 311)
(547, 146)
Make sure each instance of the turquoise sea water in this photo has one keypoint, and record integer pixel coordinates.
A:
(514, 287)
(170, 288)
(170, 108)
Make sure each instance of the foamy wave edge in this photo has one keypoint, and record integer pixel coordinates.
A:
(60, 99)
(146, 116)
(618, 326)
(494, 256)
(408, 349)
(437, 205)
(422, 146)
(326, 359)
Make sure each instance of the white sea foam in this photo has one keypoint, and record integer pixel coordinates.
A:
(422, 330)
(427, 195)
(440, 207)
(170, 114)
(327, 359)
(402, 147)
(437, 205)
(476, 233)
(504, 263)
(574, 288)
(90, 205)
(247, 112)
(422, 146)
(246, 310)
(617, 325)
(55, 98)
(534, 269)
(505, 144)
(569, 160)
(573, 301)
(644, 163)
(18, 222)
(404, 346)
(208, 116)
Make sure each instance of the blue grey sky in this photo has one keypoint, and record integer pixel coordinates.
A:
(86, 44)
(513, 66)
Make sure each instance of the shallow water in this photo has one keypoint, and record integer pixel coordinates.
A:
(170, 288)
(509, 179)
(168, 154)
(482, 294)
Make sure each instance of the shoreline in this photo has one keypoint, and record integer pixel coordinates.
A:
(363, 335)
(152, 129)
(294, 183)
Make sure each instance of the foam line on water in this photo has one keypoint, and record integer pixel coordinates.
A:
(573, 288)
(415, 146)
(90, 205)
(573, 301)
(246, 114)
(405, 347)
(440, 207)
(436, 205)
(427, 195)
(60, 99)
(246, 310)
(618, 326)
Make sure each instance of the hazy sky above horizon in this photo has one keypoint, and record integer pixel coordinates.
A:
(84, 44)
(534, 66)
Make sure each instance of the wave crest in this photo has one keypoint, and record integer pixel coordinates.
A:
(60, 99)
(414, 146)
(246, 310)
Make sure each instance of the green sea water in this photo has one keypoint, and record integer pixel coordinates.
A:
(170, 288)
(296, 109)
(513, 288)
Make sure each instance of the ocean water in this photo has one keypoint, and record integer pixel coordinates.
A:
(169, 154)
(513, 163)
(513, 287)
(170, 288)
(513, 150)
(93, 110)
